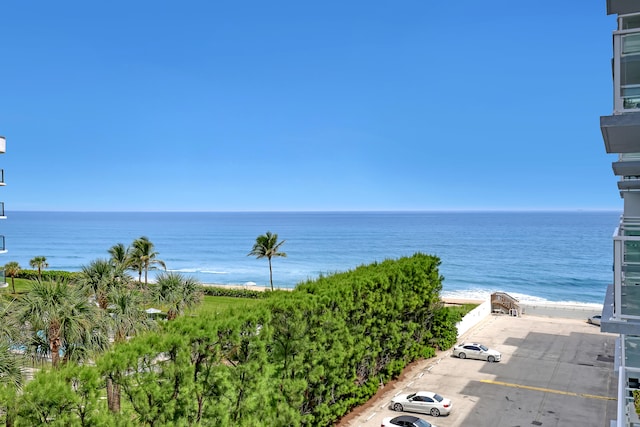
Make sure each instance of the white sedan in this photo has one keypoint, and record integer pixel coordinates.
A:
(405, 421)
(425, 402)
(476, 351)
(595, 320)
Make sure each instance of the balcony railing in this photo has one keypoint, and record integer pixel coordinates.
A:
(628, 157)
(626, 65)
(627, 383)
(626, 270)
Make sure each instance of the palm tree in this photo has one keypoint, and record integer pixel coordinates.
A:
(127, 319)
(11, 379)
(126, 313)
(267, 246)
(175, 291)
(61, 315)
(144, 258)
(99, 278)
(120, 256)
(39, 263)
(12, 269)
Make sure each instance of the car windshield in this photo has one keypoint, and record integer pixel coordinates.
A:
(421, 423)
(438, 397)
(483, 347)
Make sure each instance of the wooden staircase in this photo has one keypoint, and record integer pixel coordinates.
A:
(504, 303)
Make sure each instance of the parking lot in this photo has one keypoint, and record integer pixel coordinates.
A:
(554, 372)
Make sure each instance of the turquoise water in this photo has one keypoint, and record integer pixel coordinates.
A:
(554, 256)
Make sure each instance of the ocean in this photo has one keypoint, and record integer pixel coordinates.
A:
(535, 256)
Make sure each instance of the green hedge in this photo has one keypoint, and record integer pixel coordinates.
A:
(219, 291)
(304, 358)
(300, 358)
(48, 275)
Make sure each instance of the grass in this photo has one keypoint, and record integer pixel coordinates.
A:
(209, 304)
(463, 309)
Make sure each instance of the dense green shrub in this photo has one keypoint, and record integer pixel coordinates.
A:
(303, 358)
(219, 291)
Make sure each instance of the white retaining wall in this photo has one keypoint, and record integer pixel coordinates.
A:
(473, 317)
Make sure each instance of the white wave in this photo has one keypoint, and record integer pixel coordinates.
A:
(485, 294)
(183, 270)
(468, 294)
(214, 272)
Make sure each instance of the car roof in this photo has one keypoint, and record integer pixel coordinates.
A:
(406, 418)
(425, 393)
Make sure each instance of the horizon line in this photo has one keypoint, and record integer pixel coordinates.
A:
(476, 210)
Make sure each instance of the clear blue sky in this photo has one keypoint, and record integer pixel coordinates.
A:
(305, 105)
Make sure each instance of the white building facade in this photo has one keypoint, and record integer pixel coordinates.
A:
(621, 134)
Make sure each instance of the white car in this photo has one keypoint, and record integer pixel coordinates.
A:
(476, 351)
(405, 421)
(594, 320)
(425, 402)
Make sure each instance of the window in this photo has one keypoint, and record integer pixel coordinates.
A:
(629, 22)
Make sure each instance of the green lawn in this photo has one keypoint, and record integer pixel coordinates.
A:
(209, 304)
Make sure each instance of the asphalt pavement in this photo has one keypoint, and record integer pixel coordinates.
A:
(555, 371)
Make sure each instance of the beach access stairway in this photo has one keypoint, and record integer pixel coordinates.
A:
(504, 303)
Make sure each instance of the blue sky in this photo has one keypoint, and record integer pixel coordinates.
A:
(298, 105)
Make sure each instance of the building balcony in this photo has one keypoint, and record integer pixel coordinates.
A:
(629, 183)
(626, 65)
(621, 311)
(626, 168)
(3, 248)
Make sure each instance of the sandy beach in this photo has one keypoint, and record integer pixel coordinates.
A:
(245, 287)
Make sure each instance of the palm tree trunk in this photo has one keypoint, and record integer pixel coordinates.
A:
(54, 344)
(9, 416)
(270, 274)
(113, 396)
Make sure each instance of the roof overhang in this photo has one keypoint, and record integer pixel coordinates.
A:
(620, 133)
(622, 7)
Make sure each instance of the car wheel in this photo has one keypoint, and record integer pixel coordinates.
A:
(435, 412)
(397, 407)
(462, 355)
(491, 359)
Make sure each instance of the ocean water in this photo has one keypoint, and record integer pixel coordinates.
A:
(536, 256)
